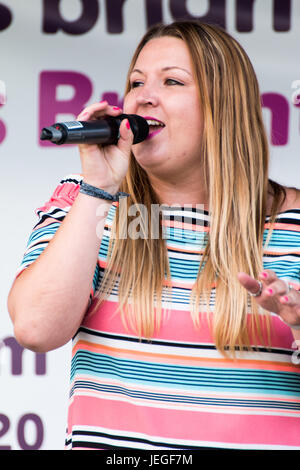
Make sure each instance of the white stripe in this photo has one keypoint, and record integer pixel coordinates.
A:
(179, 350)
(185, 256)
(50, 212)
(182, 406)
(179, 442)
(209, 394)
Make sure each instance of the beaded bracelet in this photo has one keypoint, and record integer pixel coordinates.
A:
(100, 193)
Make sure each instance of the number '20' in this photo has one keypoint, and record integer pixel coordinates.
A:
(23, 443)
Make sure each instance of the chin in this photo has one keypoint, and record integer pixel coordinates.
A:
(148, 162)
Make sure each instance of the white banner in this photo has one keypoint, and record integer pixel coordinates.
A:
(57, 56)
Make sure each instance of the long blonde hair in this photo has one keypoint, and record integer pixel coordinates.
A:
(236, 162)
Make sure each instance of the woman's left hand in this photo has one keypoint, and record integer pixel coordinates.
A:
(275, 295)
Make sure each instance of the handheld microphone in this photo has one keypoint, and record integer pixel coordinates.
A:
(101, 131)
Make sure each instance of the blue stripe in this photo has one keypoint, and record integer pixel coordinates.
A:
(199, 378)
(241, 403)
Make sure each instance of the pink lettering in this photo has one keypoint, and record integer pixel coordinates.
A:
(2, 127)
(50, 106)
(112, 98)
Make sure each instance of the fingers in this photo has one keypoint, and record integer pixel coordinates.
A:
(291, 298)
(252, 285)
(96, 110)
(101, 109)
(270, 286)
(126, 137)
(267, 276)
(275, 286)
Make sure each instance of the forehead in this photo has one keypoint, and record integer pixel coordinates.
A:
(164, 51)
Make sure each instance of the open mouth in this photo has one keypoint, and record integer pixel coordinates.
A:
(155, 126)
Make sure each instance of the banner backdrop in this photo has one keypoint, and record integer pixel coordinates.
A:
(56, 57)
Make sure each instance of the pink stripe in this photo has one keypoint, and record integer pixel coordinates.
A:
(179, 325)
(209, 427)
(108, 320)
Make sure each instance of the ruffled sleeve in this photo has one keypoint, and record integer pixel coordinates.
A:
(50, 217)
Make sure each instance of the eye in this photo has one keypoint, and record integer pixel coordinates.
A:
(136, 84)
(171, 81)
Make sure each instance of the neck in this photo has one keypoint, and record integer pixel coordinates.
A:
(180, 192)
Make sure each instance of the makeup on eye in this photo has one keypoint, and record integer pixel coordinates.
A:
(167, 81)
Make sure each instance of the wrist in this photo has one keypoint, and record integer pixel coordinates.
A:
(109, 188)
(100, 193)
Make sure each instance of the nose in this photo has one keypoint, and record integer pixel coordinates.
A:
(147, 96)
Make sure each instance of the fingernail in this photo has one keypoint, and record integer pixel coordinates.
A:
(127, 124)
(116, 108)
(270, 291)
(285, 298)
(265, 275)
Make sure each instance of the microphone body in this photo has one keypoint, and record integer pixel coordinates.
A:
(101, 131)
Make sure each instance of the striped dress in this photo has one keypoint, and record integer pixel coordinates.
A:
(177, 391)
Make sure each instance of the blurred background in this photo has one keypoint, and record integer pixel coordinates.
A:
(56, 57)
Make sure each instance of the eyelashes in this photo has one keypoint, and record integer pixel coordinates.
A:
(168, 81)
(135, 84)
(172, 81)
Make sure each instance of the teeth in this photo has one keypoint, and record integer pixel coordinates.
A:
(151, 122)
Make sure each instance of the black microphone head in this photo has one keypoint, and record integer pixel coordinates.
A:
(45, 134)
(139, 127)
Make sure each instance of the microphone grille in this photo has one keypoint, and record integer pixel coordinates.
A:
(139, 127)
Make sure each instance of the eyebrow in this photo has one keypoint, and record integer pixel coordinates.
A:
(164, 69)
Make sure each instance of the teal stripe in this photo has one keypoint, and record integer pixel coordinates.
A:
(41, 232)
(196, 378)
(186, 399)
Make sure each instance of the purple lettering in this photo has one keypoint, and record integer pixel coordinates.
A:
(53, 21)
(50, 106)
(281, 15)
(114, 16)
(4, 420)
(279, 108)
(5, 17)
(17, 355)
(154, 12)
(39, 432)
(216, 12)
(244, 15)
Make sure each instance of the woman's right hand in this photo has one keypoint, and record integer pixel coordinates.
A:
(105, 166)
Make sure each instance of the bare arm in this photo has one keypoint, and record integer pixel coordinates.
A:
(48, 300)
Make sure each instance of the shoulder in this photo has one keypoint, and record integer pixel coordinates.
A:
(292, 200)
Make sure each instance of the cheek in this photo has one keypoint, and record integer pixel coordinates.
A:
(127, 104)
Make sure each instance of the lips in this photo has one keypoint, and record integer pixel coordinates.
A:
(155, 126)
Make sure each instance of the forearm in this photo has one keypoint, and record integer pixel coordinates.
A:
(47, 302)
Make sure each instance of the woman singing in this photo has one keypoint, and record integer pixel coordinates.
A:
(182, 299)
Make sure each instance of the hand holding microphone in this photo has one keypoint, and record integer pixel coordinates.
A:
(104, 136)
(102, 131)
